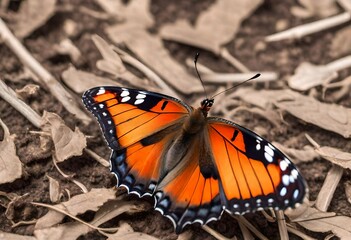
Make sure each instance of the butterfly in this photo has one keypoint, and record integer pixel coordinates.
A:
(195, 166)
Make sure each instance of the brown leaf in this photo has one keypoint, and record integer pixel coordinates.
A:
(28, 19)
(214, 27)
(306, 154)
(136, 11)
(341, 43)
(10, 164)
(126, 232)
(348, 191)
(54, 189)
(322, 8)
(70, 230)
(331, 117)
(339, 225)
(149, 48)
(80, 81)
(308, 76)
(77, 205)
(12, 236)
(67, 143)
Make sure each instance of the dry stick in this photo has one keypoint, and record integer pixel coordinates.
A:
(283, 231)
(53, 85)
(306, 29)
(10, 96)
(244, 221)
(326, 193)
(214, 233)
(147, 71)
(299, 233)
(233, 61)
(339, 64)
(238, 77)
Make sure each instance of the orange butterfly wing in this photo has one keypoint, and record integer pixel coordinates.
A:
(254, 174)
(138, 126)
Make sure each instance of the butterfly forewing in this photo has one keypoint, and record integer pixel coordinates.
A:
(138, 126)
(254, 174)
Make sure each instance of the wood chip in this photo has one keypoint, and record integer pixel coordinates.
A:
(10, 164)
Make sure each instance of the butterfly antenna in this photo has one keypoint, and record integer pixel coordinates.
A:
(252, 78)
(198, 74)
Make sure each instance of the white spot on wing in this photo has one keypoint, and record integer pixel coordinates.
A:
(286, 180)
(125, 93)
(283, 191)
(101, 91)
(296, 193)
(268, 157)
(283, 165)
(125, 99)
(269, 150)
(140, 96)
(139, 101)
(258, 147)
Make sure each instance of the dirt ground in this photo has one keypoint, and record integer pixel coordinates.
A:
(282, 57)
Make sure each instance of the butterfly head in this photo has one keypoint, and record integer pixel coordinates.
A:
(206, 104)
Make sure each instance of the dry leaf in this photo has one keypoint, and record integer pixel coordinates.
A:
(306, 154)
(28, 19)
(70, 230)
(28, 90)
(66, 47)
(80, 81)
(348, 191)
(54, 189)
(311, 213)
(331, 117)
(126, 232)
(149, 48)
(321, 8)
(214, 27)
(136, 11)
(12, 236)
(67, 143)
(111, 61)
(77, 205)
(334, 155)
(339, 225)
(108, 211)
(341, 43)
(308, 75)
(10, 164)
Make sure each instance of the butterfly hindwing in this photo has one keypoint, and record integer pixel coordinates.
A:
(254, 174)
(138, 126)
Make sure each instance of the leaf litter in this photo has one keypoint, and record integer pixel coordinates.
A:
(132, 20)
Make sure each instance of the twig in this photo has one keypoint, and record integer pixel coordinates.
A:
(233, 61)
(339, 64)
(73, 217)
(214, 233)
(283, 231)
(327, 191)
(10, 96)
(53, 85)
(244, 221)
(298, 233)
(99, 159)
(306, 29)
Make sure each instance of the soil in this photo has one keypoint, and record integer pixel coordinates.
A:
(282, 57)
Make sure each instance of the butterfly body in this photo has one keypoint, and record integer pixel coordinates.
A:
(194, 165)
